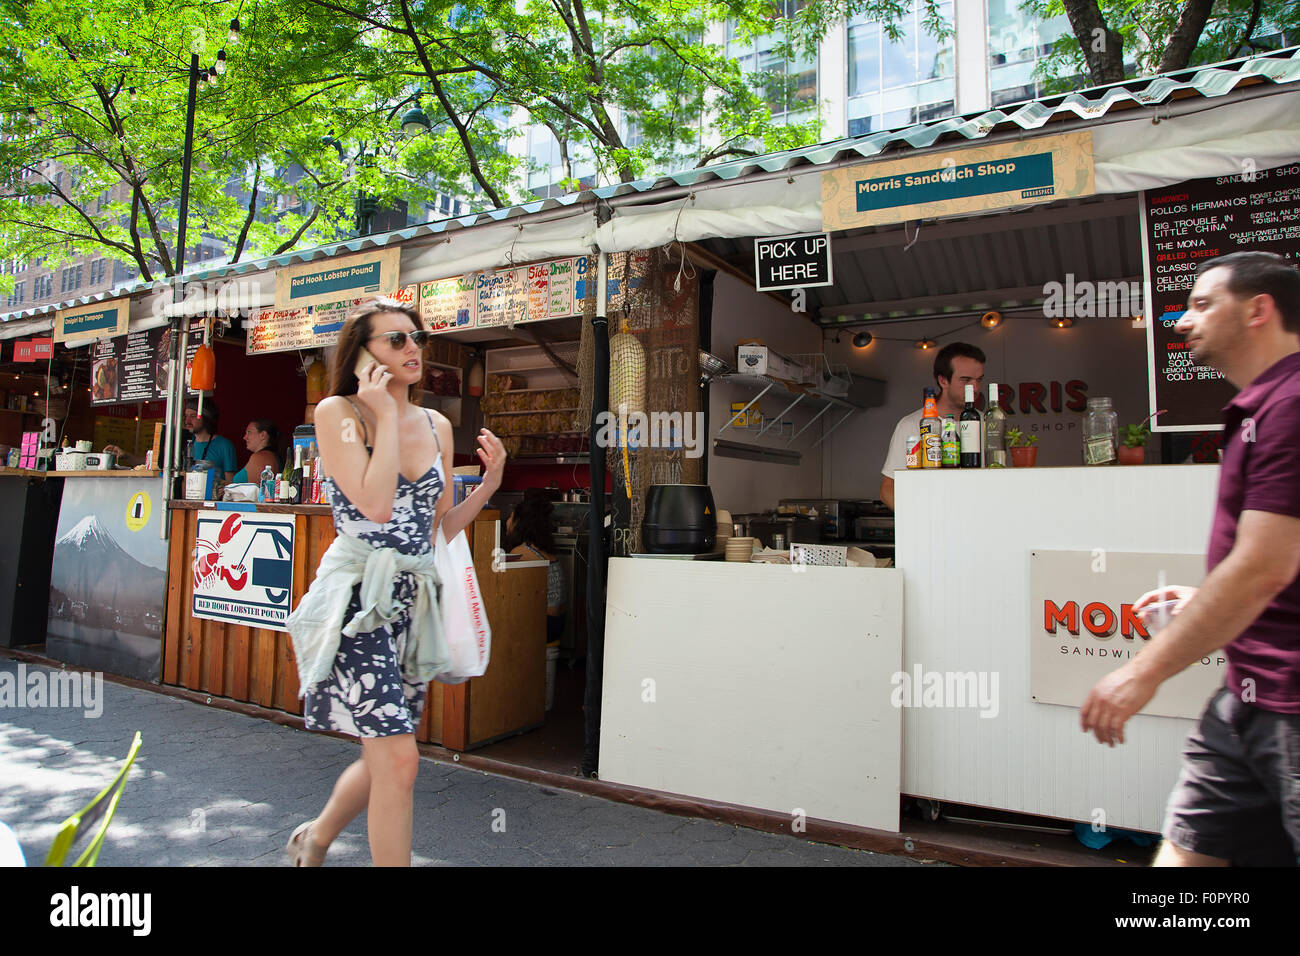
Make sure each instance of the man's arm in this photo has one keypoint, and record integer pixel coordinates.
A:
(1264, 560)
(887, 491)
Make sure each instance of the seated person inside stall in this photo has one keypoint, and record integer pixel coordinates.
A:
(208, 445)
(530, 526)
(262, 438)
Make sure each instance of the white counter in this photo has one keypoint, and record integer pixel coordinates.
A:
(764, 686)
(964, 540)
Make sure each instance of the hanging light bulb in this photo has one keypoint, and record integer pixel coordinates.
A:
(221, 61)
(1062, 322)
(925, 344)
(991, 320)
(234, 31)
(134, 95)
(862, 340)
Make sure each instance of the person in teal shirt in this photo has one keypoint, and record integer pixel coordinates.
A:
(207, 444)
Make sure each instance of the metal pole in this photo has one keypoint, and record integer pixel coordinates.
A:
(598, 555)
(181, 329)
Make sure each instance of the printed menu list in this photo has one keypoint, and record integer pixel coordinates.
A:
(133, 367)
(1258, 210)
(308, 327)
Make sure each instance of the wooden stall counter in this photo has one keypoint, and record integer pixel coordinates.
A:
(257, 664)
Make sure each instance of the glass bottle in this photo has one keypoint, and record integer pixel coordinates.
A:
(995, 430)
(1100, 433)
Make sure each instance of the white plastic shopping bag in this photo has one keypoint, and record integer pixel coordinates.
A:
(464, 619)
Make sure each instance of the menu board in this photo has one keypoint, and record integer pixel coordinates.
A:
(1182, 226)
(448, 304)
(308, 327)
(547, 290)
(133, 367)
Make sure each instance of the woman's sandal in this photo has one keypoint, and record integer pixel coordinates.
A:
(302, 849)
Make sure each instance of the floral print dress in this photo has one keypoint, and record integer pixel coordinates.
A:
(366, 694)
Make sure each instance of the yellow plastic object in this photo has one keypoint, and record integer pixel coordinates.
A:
(626, 385)
(316, 382)
(101, 808)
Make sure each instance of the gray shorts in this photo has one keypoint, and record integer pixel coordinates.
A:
(1238, 795)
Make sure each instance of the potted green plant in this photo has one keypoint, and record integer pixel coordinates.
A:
(1133, 446)
(1021, 446)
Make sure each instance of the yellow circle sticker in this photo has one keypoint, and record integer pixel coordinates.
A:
(137, 511)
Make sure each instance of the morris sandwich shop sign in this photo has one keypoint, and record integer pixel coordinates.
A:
(1037, 170)
(1082, 626)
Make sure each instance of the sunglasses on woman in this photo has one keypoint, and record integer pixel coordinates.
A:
(397, 340)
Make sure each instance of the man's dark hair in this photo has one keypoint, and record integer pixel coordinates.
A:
(1262, 273)
(209, 414)
(943, 361)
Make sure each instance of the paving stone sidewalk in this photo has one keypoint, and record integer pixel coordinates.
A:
(215, 788)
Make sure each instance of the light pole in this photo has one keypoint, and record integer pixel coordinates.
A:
(175, 361)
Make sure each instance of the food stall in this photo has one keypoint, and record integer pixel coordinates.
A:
(686, 658)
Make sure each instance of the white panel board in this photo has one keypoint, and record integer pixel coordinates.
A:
(755, 685)
(963, 543)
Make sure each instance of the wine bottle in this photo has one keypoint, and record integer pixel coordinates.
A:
(995, 426)
(295, 478)
(971, 444)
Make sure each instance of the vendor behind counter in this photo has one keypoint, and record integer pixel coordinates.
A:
(207, 445)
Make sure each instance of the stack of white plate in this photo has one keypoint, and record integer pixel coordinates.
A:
(740, 549)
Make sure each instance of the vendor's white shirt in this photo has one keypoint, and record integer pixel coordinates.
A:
(896, 457)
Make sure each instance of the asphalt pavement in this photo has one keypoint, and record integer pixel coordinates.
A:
(216, 788)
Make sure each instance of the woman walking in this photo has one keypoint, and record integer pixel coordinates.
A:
(367, 634)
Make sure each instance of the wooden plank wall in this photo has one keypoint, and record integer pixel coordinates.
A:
(250, 664)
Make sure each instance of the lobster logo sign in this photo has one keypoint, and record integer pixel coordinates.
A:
(243, 569)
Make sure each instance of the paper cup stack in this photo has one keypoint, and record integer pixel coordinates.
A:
(724, 530)
(740, 549)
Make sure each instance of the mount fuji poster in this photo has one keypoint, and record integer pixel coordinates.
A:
(108, 581)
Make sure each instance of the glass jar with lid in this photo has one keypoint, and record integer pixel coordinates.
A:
(1100, 433)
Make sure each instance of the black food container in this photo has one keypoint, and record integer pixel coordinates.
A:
(679, 519)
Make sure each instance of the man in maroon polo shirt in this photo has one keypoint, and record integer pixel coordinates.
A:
(1237, 799)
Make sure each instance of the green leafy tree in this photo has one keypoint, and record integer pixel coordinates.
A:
(92, 132)
(1155, 36)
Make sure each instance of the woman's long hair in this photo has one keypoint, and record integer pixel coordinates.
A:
(533, 521)
(353, 337)
(272, 439)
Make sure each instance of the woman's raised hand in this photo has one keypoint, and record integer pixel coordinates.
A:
(493, 455)
(372, 389)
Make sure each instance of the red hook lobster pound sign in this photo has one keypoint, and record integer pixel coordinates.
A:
(207, 558)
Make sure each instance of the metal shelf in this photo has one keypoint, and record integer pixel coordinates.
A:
(768, 384)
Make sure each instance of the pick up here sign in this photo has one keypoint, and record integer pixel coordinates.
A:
(792, 262)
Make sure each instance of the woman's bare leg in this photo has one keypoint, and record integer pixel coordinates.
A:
(351, 795)
(392, 763)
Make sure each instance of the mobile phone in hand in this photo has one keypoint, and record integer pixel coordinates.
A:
(364, 361)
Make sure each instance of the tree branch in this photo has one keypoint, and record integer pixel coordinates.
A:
(1179, 49)
(252, 214)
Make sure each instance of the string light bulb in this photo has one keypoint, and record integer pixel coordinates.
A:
(1062, 322)
(221, 61)
(862, 340)
(991, 320)
(134, 95)
(926, 344)
(234, 31)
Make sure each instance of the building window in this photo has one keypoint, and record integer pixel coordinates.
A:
(97, 272)
(894, 83)
(19, 295)
(43, 287)
(1017, 41)
(787, 86)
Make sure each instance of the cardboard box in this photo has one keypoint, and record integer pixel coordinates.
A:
(761, 360)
